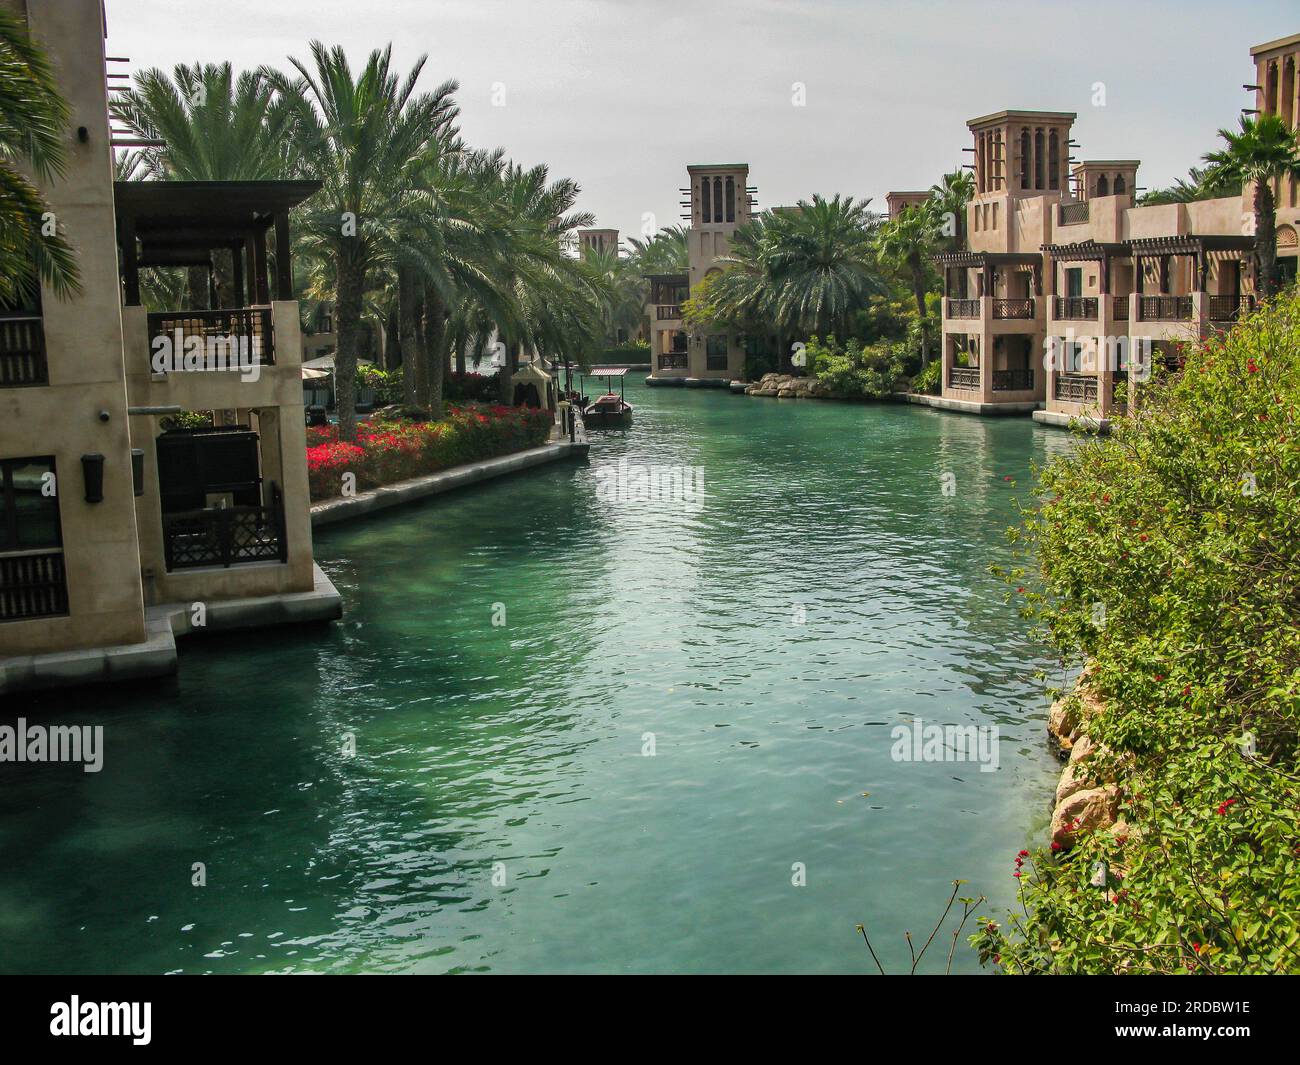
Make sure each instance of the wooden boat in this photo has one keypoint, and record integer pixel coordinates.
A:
(610, 411)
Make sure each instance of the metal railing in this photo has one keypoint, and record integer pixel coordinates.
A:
(963, 308)
(667, 311)
(1075, 388)
(1229, 308)
(248, 328)
(1075, 308)
(225, 536)
(966, 377)
(22, 350)
(675, 361)
(1165, 308)
(1072, 214)
(33, 584)
(1013, 380)
(1119, 308)
(1013, 308)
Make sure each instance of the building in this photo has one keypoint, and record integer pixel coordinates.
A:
(720, 200)
(153, 476)
(1066, 285)
(898, 202)
(597, 240)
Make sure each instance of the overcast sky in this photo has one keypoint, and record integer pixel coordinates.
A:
(622, 94)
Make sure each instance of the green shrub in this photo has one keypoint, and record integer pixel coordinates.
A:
(1167, 557)
(929, 381)
(854, 371)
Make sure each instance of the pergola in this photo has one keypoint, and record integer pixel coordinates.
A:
(1083, 251)
(1199, 248)
(180, 223)
(988, 262)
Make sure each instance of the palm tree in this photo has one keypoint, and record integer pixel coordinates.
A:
(1200, 184)
(365, 138)
(907, 242)
(950, 197)
(663, 253)
(1264, 151)
(33, 117)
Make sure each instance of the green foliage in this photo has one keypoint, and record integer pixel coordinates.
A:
(1166, 557)
(388, 384)
(33, 117)
(930, 380)
(854, 371)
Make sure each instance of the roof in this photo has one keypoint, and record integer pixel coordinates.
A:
(1032, 116)
(1084, 249)
(607, 371)
(1273, 46)
(190, 213)
(982, 258)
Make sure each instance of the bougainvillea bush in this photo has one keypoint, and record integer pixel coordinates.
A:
(1167, 557)
(386, 452)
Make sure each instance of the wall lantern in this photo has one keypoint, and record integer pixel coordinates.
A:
(92, 472)
(137, 470)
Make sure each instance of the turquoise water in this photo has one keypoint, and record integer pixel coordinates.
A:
(517, 749)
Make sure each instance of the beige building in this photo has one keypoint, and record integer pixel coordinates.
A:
(1066, 289)
(597, 240)
(898, 202)
(720, 200)
(119, 528)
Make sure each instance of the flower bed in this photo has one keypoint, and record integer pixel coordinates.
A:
(386, 452)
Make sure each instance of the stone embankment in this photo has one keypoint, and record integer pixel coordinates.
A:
(1082, 804)
(787, 386)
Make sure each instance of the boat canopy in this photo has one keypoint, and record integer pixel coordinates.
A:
(608, 371)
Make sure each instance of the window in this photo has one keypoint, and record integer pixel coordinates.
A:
(717, 199)
(706, 214)
(731, 200)
(1120, 186)
(716, 353)
(22, 344)
(1053, 160)
(1103, 186)
(1074, 282)
(1038, 159)
(1024, 158)
(33, 582)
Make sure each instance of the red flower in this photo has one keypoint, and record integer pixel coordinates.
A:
(1024, 854)
(1251, 367)
(1143, 537)
(1055, 846)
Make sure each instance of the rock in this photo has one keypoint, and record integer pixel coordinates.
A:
(1063, 721)
(1083, 748)
(787, 393)
(1073, 780)
(1089, 810)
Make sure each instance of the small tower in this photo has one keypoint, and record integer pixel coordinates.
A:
(899, 201)
(1104, 177)
(1022, 153)
(597, 240)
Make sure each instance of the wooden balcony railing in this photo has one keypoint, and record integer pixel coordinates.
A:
(963, 308)
(245, 331)
(1229, 308)
(1075, 308)
(1119, 308)
(673, 361)
(1072, 214)
(33, 584)
(1075, 388)
(1013, 308)
(966, 377)
(668, 311)
(22, 350)
(1013, 380)
(1165, 308)
(226, 536)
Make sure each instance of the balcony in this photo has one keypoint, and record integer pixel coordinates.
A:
(1228, 308)
(231, 338)
(665, 312)
(33, 584)
(1075, 388)
(1013, 380)
(964, 377)
(225, 536)
(963, 308)
(1013, 308)
(22, 350)
(1073, 214)
(1165, 308)
(1119, 308)
(1075, 308)
(673, 361)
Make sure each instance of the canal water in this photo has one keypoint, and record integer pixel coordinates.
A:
(593, 730)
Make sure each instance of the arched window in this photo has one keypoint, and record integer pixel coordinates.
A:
(706, 214)
(1053, 161)
(717, 199)
(1121, 186)
(1103, 186)
(1038, 159)
(1287, 105)
(1270, 90)
(1024, 158)
(731, 200)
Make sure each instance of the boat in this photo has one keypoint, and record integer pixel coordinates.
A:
(611, 410)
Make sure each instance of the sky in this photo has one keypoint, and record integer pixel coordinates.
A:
(827, 97)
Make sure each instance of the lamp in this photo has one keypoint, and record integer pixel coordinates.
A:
(92, 472)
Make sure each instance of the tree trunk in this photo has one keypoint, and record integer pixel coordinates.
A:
(406, 334)
(1265, 240)
(347, 310)
(435, 339)
(460, 360)
(196, 283)
(918, 293)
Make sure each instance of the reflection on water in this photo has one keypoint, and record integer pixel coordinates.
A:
(501, 812)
